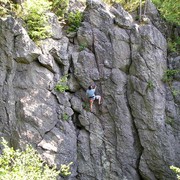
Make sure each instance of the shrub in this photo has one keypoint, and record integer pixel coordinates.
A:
(4, 7)
(7, 7)
(175, 92)
(176, 170)
(35, 18)
(129, 6)
(169, 74)
(62, 84)
(65, 117)
(171, 45)
(169, 121)
(82, 46)
(150, 85)
(65, 169)
(168, 78)
(74, 21)
(33, 12)
(85, 105)
(174, 44)
(59, 7)
(21, 165)
(169, 9)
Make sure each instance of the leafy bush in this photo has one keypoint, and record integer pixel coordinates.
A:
(21, 165)
(65, 169)
(82, 46)
(150, 85)
(174, 44)
(169, 121)
(33, 14)
(176, 170)
(169, 74)
(59, 7)
(35, 18)
(169, 9)
(168, 78)
(175, 92)
(129, 6)
(62, 84)
(3, 7)
(7, 7)
(74, 21)
(65, 117)
(85, 106)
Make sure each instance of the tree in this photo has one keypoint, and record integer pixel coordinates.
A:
(21, 165)
(169, 9)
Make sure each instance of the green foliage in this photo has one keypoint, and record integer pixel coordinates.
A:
(176, 170)
(169, 9)
(171, 45)
(174, 44)
(65, 117)
(128, 5)
(82, 46)
(74, 21)
(85, 106)
(35, 18)
(65, 169)
(169, 121)
(158, 3)
(175, 92)
(21, 165)
(110, 2)
(131, 6)
(4, 7)
(62, 84)
(150, 85)
(169, 74)
(59, 7)
(168, 78)
(7, 7)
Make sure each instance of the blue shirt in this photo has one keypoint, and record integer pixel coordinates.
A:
(90, 92)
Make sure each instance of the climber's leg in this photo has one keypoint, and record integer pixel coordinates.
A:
(91, 104)
(98, 98)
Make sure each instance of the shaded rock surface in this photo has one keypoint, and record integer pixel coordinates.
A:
(132, 135)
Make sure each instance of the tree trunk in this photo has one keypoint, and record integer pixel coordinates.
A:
(140, 10)
(145, 6)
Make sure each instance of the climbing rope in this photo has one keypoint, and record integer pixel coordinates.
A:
(101, 138)
(99, 66)
(145, 6)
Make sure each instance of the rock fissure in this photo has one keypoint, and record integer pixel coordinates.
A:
(152, 44)
(140, 147)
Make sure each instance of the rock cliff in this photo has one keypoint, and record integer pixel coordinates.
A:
(132, 135)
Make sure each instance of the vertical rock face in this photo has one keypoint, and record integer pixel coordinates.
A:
(31, 111)
(133, 134)
(148, 103)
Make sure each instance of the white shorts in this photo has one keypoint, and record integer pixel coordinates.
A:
(97, 97)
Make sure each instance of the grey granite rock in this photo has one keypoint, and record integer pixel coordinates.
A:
(132, 135)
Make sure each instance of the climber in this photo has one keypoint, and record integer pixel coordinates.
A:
(91, 95)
